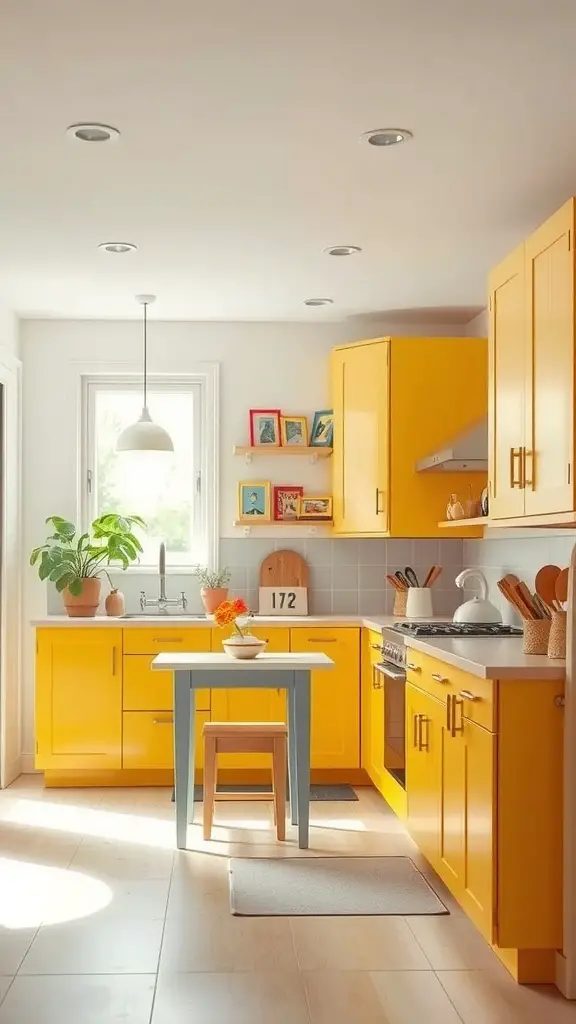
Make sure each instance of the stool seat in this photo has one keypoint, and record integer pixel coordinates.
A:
(239, 738)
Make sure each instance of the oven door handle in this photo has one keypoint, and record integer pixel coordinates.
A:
(392, 671)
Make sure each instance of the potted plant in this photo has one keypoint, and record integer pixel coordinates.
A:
(241, 644)
(213, 586)
(75, 566)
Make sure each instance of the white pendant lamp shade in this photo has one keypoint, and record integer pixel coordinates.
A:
(145, 436)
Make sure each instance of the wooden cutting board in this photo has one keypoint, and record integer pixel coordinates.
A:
(284, 569)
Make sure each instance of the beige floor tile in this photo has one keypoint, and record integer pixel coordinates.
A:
(114, 860)
(261, 998)
(14, 944)
(343, 997)
(220, 942)
(493, 997)
(4, 986)
(79, 1000)
(452, 943)
(91, 946)
(407, 997)
(356, 944)
(37, 845)
(139, 899)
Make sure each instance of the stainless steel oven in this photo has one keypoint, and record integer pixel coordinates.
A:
(390, 675)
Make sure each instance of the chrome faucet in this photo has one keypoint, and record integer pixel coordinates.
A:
(162, 603)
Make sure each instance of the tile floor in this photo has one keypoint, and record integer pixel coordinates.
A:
(101, 921)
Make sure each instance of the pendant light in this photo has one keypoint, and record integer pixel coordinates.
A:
(145, 436)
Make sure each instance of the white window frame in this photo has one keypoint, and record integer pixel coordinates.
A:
(204, 383)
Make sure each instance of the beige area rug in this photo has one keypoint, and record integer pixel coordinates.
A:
(339, 886)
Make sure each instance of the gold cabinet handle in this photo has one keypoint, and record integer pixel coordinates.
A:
(163, 721)
(376, 683)
(424, 720)
(415, 736)
(449, 713)
(413, 668)
(322, 640)
(468, 695)
(378, 509)
(515, 453)
(113, 661)
(168, 640)
(376, 647)
(526, 481)
(457, 728)
(439, 678)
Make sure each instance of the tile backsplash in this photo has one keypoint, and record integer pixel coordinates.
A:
(347, 577)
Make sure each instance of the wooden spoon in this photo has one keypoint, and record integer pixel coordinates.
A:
(545, 584)
(561, 587)
(541, 606)
(395, 583)
(433, 575)
(525, 596)
(513, 598)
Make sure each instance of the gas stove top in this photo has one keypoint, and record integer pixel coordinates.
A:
(456, 629)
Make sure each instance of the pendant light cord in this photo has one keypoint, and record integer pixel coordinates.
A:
(145, 353)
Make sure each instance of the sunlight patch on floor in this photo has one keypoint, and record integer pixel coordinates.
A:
(34, 894)
(87, 821)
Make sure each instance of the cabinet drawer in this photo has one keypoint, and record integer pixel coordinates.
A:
(322, 640)
(147, 690)
(165, 638)
(440, 679)
(149, 739)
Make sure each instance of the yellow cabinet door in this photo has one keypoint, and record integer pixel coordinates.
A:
(423, 770)
(79, 698)
(335, 727)
(467, 859)
(148, 740)
(360, 462)
(507, 386)
(148, 690)
(549, 406)
(239, 705)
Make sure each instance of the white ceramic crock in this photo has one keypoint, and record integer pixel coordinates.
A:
(244, 647)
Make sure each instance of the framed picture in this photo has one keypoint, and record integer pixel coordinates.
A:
(265, 427)
(294, 431)
(323, 429)
(286, 502)
(315, 507)
(254, 500)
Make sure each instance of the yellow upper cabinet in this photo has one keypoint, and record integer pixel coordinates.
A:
(531, 408)
(397, 400)
(79, 698)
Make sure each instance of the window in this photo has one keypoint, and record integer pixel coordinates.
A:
(175, 492)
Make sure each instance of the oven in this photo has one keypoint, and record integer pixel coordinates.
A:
(389, 675)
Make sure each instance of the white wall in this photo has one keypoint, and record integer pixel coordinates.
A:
(261, 364)
(478, 327)
(9, 334)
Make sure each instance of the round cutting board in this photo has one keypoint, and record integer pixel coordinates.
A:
(284, 569)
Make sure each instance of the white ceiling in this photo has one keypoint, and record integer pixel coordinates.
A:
(240, 157)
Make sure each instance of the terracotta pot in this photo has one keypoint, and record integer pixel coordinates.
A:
(85, 605)
(114, 603)
(212, 597)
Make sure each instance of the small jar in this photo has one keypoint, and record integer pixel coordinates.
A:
(114, 603)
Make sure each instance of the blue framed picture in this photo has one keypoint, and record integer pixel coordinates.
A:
(254, 501)
(322, 429)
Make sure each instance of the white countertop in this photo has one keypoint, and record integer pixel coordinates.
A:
(263, 662)
(192, 621)
(489, 657)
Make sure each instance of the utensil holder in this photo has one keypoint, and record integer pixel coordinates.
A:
(557, 638)
(400, 603)
(536, 636)
(419, 603)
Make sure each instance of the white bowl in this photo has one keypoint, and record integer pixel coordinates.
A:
(244, 647)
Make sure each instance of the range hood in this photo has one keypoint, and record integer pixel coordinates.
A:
(468, 452)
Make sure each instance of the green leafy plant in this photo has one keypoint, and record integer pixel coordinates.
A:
(212, 580)
(66, 560)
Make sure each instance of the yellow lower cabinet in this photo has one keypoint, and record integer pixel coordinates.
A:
(79, 698)
(245, 705)
(149, 739)
(423, 770)
(146, 689)
(335, 695)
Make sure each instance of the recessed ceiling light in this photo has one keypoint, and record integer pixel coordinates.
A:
(387, 136)
(93, 132)
(342, 250)
(117, 246)
(318, 302)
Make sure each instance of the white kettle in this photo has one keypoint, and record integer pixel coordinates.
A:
(479, 609)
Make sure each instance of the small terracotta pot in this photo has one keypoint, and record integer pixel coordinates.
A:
(114, 603)
(212, 597)
(85, 604)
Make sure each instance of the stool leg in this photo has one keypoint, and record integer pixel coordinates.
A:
(279, 783)
(210, 754)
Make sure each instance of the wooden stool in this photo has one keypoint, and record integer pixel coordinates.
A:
(245, 738)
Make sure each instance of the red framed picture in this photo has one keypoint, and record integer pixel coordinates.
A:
(286, 501)
(265, 427)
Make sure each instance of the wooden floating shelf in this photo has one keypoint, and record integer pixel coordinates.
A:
(454, 524)
(283, 522)
(312, 453)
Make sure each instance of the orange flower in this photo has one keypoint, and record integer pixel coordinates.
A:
(240, 606)
(229, 611)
